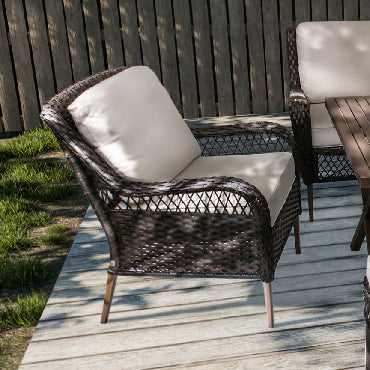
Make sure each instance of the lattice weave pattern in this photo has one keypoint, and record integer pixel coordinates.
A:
(366, 292)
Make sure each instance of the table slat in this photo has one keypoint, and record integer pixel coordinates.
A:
(352, 137)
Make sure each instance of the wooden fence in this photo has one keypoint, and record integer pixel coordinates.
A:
(215, 57)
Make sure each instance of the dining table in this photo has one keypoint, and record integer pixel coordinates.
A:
(351, 118)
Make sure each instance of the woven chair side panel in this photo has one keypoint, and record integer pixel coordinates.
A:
(190, 244)
(185, 243)
(292, 54)
(332, 164)
(301, 125)
(285, 221)
(366, 297)
(251, 138)
(211, 201)
(215, 202)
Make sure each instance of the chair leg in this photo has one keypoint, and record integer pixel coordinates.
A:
(269, 305)
(111, 284)
(310, 200)
(297, 236)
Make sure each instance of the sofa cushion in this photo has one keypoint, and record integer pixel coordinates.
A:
(333, 59)
(133, 124)
(271, 173)
(325, 137)
(324, 133)
(320, 117)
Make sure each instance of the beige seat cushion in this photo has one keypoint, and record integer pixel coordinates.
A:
(333, 59)
(324, 133)
(272, 173)
(133, 124)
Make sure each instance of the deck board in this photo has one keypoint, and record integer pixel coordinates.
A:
(215, 323)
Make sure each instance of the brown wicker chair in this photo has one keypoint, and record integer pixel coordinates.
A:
(324, 162)
(147, 230)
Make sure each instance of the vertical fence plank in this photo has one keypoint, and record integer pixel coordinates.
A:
(185, 56)
(58, 43)
(319, 10)
(189, 77)
(148, 35)
(203, 58)
(350, 10)
(130, 32)
(112, 33)
(256, 55)
(302, 11)
(40, 49)
(272, 55)
(286, 21)
(94, 39)
(222, 58)
(239, 57)
(364, 10)
(167, 48)
(8, 95)
(76, 39)
(335, 10)
(23, 64)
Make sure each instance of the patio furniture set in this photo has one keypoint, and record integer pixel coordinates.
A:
(217, 201)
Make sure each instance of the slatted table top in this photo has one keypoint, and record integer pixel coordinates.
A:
(351, 118)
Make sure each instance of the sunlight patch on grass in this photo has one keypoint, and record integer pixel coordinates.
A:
(30, 143)
(24, 184)
(24, 311)
(54, 235)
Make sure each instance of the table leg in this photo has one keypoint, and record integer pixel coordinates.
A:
(366, 213)
(363, 227)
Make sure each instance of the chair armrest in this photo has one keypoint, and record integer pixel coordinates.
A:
(103, 186)
(244, 138)
(297, 95)
(208, 195)
(299, 111)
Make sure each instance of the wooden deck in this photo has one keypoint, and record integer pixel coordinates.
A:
(214, 323)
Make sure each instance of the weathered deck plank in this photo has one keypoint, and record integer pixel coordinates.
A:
(215, 323)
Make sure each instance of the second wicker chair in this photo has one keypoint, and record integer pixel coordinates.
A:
(326, 59)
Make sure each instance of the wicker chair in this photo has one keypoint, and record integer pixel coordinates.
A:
(210, 226)
(332, 49)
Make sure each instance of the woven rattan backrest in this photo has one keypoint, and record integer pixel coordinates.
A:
(56, 115)
(294, 80)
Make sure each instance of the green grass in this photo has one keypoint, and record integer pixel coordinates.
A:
(24, 311)
(30, 143)
(34, 189)
(54, 235)
(30, 179)
(21, 273)
(25, 184)
(12, 238)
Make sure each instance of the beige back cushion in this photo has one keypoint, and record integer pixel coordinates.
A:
(133, 124)
(333, 59)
